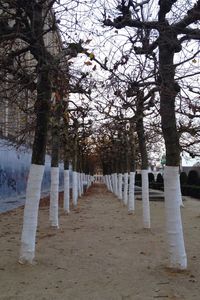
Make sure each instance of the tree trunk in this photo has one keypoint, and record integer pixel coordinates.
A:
(27, 251)
(75, 173)
(131, 197)
(167, 107)
(125, 194)
(120, 186)
(54, 191)
(169, 90)
(144, 158)
(54, 196)
(66, 202)
(125, 166)
(177, 254)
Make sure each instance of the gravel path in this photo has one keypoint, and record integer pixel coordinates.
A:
(100, 253)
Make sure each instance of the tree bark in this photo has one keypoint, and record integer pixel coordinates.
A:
(42, 108)
(131, 196)
(144, 158)
(140, 130)
(66, 203)
(27, 251)
(55, 133)
(168, 91)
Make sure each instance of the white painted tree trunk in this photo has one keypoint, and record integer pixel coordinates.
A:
(131, 199)
(75, 189)
(33, 191)
(66, 204)
(145, 200)
(54, 195)
(177, 254)
(120, 186)
(125, 195)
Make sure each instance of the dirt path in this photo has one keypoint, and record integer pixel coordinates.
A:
(99, 253)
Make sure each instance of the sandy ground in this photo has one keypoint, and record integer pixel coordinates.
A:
(100, 253)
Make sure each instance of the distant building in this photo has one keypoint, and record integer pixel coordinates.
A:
(17, 103)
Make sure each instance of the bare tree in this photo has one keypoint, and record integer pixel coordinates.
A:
(167, 37)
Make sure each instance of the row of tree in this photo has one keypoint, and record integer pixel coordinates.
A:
(156, 36)
(33, 60)
(134, 86)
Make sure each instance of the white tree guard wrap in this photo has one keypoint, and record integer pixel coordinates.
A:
(145, 199)
(131, 199)
(120, 186)
(54, 195)
(66, 192)
(33, 192)
(125, 195)
(75, 189)
(174, 231)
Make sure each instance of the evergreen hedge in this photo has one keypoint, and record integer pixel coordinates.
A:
(159, 178)
(151, 177)
(191, 190)
(190, 185)
(193, 178)
(183, 178)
